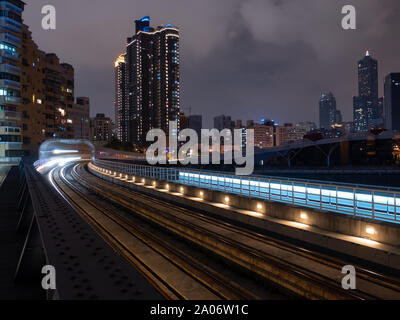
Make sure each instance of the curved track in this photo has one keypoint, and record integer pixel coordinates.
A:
(181, 276)
(301, 271)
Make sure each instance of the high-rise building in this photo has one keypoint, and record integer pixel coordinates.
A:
(264, 135)
(32, 94)
(392, 102)
(10, 80)
(59, 98)
(380, 114)
(282, 134)
(328, 113)
(360, 114)
(101, 128)
(153, 74)
(121, 99)
(196, 123)
(249, 124)
(183, 121)
(80, 117)
(222, 122)
(366, 108)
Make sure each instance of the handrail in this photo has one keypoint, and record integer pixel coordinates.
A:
(359, 201)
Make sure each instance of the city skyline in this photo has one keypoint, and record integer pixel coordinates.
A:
(212, 62)
(200, 153)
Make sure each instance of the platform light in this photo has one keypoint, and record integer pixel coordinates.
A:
(259, 206)
(133, 179)
(154, 183)
(304, 216)
(143, 180)
(201, 194)
(126, 177)
(227, 199)
(182, 190)
(167, 186)
(370, 230)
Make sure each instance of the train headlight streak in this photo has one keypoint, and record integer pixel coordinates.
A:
(59, 151)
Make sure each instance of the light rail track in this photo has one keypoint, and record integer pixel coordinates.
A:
(175, 274)
(305, 272)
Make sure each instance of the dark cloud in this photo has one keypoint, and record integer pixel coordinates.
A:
(246, 58)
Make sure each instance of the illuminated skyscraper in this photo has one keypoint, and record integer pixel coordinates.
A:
(392, 102)
(153, 77)
(10, 80)
(328, 114)
(366, 106)
(121, 99)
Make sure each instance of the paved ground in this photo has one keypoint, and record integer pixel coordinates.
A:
(11, 243)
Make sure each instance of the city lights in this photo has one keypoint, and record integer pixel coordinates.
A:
(370, 231)
(304, 216)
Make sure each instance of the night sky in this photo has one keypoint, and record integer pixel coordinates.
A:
(246, 58)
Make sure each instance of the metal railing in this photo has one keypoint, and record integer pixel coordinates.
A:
(358, 201)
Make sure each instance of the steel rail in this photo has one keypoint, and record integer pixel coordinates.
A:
(222, 287)
(296, 271)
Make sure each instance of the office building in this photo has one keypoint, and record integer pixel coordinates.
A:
(392, 102)
(328, 114)
(366, 104)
